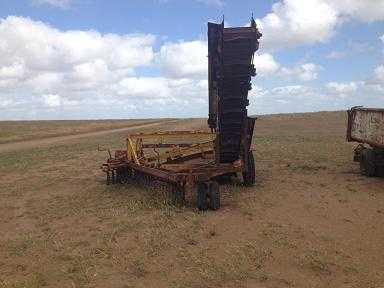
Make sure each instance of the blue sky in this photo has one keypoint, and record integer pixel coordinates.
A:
(86, 59)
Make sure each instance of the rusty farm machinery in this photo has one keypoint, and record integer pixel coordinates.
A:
(366, 127)
(192, 162)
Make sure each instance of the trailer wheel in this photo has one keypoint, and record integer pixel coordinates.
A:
(214, 195)
(367, 163)
(249, 177)
(177, 196)
(202, 196)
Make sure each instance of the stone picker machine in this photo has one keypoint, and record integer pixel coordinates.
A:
(190, 163)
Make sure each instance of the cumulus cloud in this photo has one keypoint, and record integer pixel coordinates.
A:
(218, 3)
(293, 22)
(54, 3)
(49, 73)
(378, 76)
(184, 59)
(266, 64)
(52, 100)
(364, 93)
(301, 98)
(189, 60)
(303, 72)
(342, 88)
(286, 99)
(165, 89)
(37, 60)
(44, 48)
(366, 11)
(351, 49)
(212, 2)
(298, 22)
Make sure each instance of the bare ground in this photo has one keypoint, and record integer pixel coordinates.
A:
(311, 220)
(46, 141)
(16, 131)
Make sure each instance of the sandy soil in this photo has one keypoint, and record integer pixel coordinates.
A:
(14, 146)
(311, 221)
(16, 131)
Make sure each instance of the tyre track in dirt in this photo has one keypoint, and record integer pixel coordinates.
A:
(20, 145)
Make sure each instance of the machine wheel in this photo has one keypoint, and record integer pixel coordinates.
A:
(249, 177)
(202, 196)
(367, 163)
(178, 197)
(214, 195)
(109, 180)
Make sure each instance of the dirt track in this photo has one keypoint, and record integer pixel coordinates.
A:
(14, 146)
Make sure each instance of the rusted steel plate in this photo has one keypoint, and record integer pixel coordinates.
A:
(366, 125)
(230, 55)
(173, 133)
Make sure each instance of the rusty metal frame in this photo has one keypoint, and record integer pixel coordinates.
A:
(136, 146)
(183, 157)
(173, 168)
(351, 117)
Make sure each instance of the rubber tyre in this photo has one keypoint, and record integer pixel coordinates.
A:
(202, 196)
(178, 197)
(109, 181)
(367, 163)
(249, 175)
(214, 195)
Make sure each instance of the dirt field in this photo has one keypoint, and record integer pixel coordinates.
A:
(12, 131)
(311, 220)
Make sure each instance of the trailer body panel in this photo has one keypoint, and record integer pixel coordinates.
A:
(366, 125)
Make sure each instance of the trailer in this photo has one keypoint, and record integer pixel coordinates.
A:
(192, 163)
(366, 126)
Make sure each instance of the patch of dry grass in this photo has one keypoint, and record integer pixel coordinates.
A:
(11, 131)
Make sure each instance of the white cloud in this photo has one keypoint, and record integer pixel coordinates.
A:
(170, 90)
(290, 90)
(293, 22)
(52, 100)
(189, 60)
(303, 72)
(378, 76)
(43, 48)
(266, 64)
(54, 3)
(48, 73)
(299, 98)
(14, 71)
(218, 3)
(351, 49)
(184, 59)
(287, 99)
(212, 2)
(298, 22)
(37, 60)
(341, 87)
(367, 93)
(366, 11)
